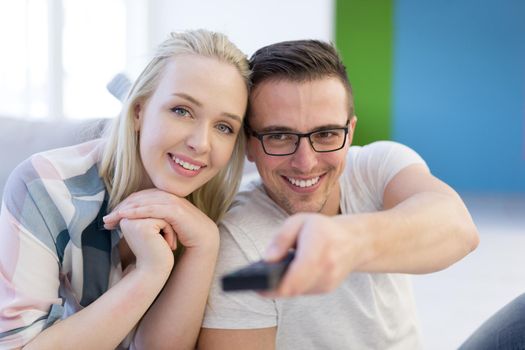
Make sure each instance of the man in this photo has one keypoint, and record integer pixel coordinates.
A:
(360, 218)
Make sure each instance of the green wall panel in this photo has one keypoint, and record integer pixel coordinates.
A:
(363, 36)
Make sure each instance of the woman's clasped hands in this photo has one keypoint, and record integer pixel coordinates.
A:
(153, 222)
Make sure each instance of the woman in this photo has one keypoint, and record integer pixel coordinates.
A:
(167, 170)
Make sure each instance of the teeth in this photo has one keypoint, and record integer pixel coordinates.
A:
(303, 183)
(186, 165)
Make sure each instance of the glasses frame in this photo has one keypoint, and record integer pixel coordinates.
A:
(300, 135)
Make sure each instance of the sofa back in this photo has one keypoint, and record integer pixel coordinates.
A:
(20, 138)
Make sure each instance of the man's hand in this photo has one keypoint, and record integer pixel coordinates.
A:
(325, 254)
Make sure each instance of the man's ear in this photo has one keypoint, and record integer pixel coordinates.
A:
(351, 129)
(137, 115)
(248, 149)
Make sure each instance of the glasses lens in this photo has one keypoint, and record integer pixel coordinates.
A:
(280, 143)
(328, 140)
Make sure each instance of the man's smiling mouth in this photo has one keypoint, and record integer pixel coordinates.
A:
(303, 183)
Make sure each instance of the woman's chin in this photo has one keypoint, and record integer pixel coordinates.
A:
(178, 190)
(178, 187)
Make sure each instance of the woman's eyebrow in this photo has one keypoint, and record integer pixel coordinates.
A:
(199, 104)
(233, 116)
(188, 97)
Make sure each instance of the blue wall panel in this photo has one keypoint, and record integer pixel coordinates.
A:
(459, 90)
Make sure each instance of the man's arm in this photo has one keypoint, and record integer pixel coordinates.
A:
(424, 227)
(426, 224)
(232, 339)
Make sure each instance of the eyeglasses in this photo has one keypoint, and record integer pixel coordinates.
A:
(277, 143)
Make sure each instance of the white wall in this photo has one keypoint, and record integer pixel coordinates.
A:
(250, 24)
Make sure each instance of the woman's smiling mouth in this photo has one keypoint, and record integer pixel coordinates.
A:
(185, 166)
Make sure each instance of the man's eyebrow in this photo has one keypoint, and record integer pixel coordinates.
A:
(199, 104)
(279, 128)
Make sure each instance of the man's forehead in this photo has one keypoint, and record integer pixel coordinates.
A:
(293, 84)
(296, 105)
(285, 84)
(266, 88)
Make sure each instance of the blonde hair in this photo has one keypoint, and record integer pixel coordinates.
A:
(121, 165)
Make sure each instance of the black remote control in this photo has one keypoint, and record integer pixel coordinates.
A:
(260, 275)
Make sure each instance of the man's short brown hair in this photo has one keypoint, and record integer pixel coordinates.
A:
(299, 61)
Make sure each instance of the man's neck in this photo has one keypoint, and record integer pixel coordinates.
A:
(332, 206)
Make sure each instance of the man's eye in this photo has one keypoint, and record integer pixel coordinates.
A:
(278, 137)
(183, 112)
(325, 134)
(225, 129)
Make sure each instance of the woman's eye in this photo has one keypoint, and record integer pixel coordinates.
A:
(225, 129)
(183, 112)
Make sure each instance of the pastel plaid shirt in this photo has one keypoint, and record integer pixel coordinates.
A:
(55, 255)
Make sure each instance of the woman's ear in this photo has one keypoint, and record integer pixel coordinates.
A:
(137, 115)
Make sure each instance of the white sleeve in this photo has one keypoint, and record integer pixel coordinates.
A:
(236, 310)
(373, 166)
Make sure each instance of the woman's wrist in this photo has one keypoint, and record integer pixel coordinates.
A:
(155, 271)
(207, 244)
(208, 249)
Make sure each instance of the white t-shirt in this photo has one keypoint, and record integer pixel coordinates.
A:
(368, 310)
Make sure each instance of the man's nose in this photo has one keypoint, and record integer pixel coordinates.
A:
(304, 158)
(199, 139)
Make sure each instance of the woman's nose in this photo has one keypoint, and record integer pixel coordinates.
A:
(199, 139)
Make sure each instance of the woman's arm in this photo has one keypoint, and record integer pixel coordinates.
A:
(174, 320)
(176, 316)
(106, 322)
